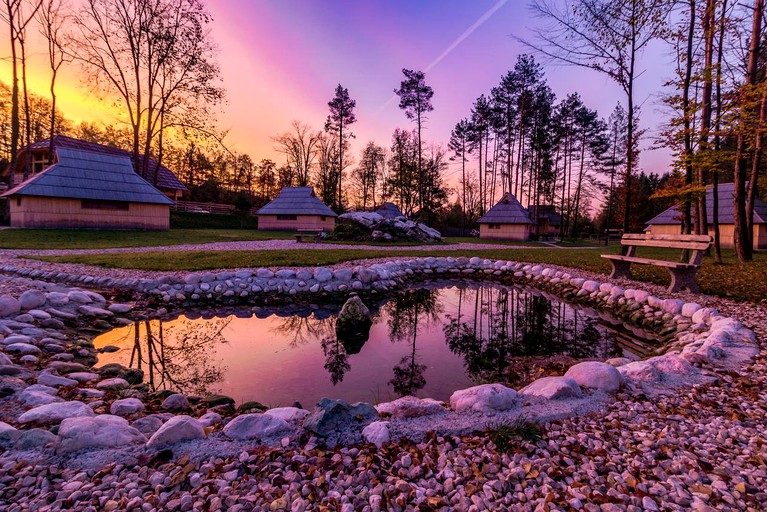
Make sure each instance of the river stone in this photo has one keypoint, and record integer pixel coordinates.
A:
(120, 309)
(553, 388)
(147, 425)
(126, 406)
(486, 398)
(411, 407)
(175, 402)
(211, 418)
(83, 376)
(597, 375)
(323, 275)
(255, 426)
(57, 298)
(23, 348)
(217, 400)
(9, 306)
(93, 311)
(5, 360)
(331, 415)
(31, 299)
(112, 384)
(51, 379)
(288, 413)
(55, 412)
(618, 361)
(79, 297)
(4, 427)
(37, 398)
(98, 432)
(377, 433)
(27, 439)
(176, 430)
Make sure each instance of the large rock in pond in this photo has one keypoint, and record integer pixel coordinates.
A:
(553, 388)
(596, 375)
(49, 414)
(333, 415)
(486, 398)
(102, 431)
(353, 325)
(176, 430)
(255, 426)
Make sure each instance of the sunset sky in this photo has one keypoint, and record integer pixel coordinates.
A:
(281, 60)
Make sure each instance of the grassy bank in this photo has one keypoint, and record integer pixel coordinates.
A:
(743, 281)
(102, 239)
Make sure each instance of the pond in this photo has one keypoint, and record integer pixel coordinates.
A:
(427, 342)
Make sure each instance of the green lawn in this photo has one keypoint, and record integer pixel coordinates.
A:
(732, 279)
(101, 239)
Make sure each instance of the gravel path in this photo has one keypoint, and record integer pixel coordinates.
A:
(699, 449)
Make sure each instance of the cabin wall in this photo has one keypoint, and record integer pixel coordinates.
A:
(271, 222)
(505, 232)
(54, 212)
(726, 233)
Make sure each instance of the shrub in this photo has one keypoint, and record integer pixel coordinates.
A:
(506, 435)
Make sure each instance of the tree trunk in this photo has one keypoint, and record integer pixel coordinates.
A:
(687, 203)
(717, 137)
(705, 122)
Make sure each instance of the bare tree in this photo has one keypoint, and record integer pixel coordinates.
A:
(606, 36)
(300, 149)
(51, 19)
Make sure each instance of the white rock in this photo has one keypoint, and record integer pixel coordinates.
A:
(411, 407)
(37, 398)
(486, 398)
(690, 308)
(255, 426)
(23, 348)
(593, 374)
(703, 315)
(553, 388)
(102, 431)
(83, 376)
(377, 433)
(176, 430)
(288, 413)
(112, 384)
(31, 299)
(50, 379)
(323, 275)
(175, 402)
(4, 427)
(126, 406)
(210, 418)
(590, 286)
(55, 412)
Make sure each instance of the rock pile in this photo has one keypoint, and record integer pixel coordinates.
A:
(373, 227)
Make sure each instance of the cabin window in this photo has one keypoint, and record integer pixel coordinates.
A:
(287, 217)
(18, 201)
(95, 204)
(322, 217)
(493, 226)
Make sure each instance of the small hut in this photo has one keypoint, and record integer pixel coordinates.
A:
(88, 190)
(390, 211)
(669, 222)
(507, 220)
(549, 221)
(296, 209)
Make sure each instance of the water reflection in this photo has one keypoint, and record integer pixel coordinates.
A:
(423, 341)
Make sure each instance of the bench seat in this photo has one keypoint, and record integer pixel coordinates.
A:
(648, 261)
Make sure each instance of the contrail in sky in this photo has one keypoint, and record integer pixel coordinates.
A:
(469, 31)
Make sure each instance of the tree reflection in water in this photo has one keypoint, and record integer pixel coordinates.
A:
(407, 312)
(303, 330)
(184, 363)
(507, 325)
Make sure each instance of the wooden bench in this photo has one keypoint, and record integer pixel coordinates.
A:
(315, 233)
(682, 274)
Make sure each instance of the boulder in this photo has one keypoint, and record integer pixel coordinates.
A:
(31, 439)
(99, 432)
(377, 433)
(126, 406)
(411, 407)
(23, 348)
(175, 402)
(553, 388)
(593, 374)
(113, 384)
(288, 413)
(486, 398)
(9, 306)
(353, 325)
(255, 426)
(51, 379)
(53, 413)
(31, 299)
(176, 430)
(37, 398)
(147, 425)
(330, 416)
(211, 418)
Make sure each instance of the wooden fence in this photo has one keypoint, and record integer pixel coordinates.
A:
(197, 207)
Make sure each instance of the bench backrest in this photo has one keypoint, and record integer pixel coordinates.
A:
(695, 243)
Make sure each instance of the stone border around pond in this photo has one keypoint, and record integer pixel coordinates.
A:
(33, 325)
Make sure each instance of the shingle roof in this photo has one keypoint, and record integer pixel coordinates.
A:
(165, 180)
(506, 211)
(547, 211)
(88, 175)
(296, 201)
(726, 208)
(389, 211)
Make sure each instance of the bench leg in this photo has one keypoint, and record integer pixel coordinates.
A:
(621, 269)
(299, 239)
(683, 278)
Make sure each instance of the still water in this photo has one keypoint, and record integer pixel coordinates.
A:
(429, 341)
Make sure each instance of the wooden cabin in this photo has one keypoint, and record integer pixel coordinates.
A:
(507, 220)
(669, 222)
(88, 190)
(549, 221)
(37, 153)
(390, 211)
(296, 209)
